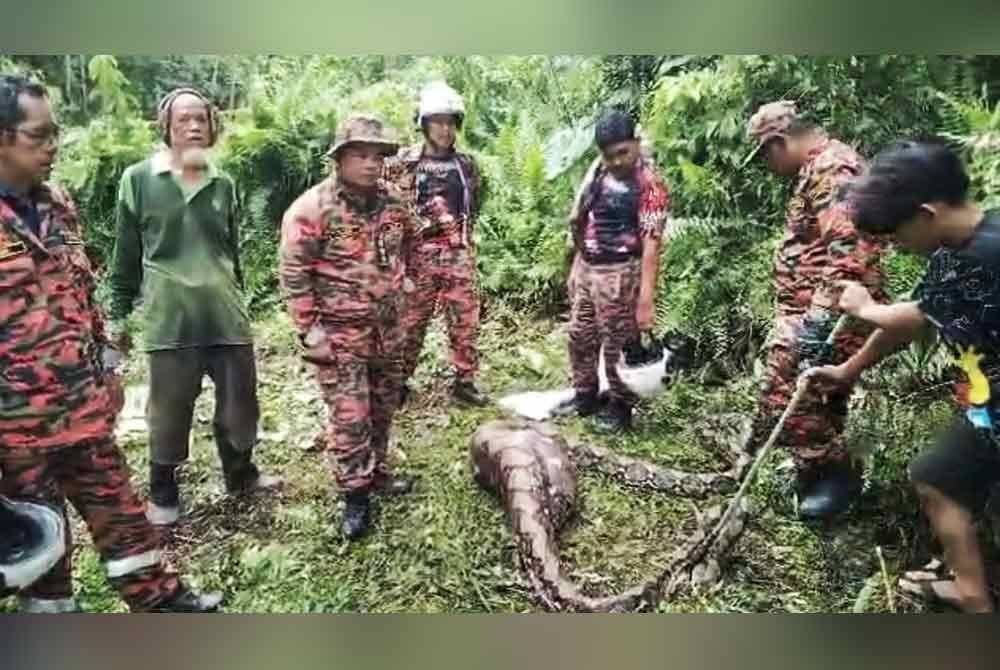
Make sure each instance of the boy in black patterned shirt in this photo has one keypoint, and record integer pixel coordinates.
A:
(917, 193)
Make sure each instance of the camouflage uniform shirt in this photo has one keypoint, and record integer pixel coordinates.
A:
(51, 330)
(821, 244)
(343, 256)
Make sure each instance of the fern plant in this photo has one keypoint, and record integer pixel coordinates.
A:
(974, 125)
(93, 157)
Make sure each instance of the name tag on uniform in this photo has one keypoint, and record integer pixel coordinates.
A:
(340, 231)
(11, 248)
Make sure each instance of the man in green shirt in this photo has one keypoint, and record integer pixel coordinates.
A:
(177, 244)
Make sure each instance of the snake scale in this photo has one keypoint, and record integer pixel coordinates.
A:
(534, 472)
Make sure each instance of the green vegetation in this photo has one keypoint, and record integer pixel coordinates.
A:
(529, 123)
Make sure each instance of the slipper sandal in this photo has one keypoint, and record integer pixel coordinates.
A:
(921, 585)
(934, 570)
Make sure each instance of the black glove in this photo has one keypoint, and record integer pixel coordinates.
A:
(812, 346)
(643, 350)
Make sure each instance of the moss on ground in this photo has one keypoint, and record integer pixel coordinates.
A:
(446, 547)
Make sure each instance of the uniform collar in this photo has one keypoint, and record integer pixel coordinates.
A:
(412, 153)
(821, 145)
(10, 193)
(415, 153)
(27, 214)
(358, 201)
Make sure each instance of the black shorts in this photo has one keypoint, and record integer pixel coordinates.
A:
(964, 464)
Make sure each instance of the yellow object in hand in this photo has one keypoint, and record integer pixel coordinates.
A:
(979, 385)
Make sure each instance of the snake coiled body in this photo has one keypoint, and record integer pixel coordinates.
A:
(534, 471)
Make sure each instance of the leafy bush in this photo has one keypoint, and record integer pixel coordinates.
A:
(716, 277)
(974, 125)
(93, 157)
(529, 122)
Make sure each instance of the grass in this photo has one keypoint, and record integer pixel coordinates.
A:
(446, 547)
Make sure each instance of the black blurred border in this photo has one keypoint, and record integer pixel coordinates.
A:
(498, 26)
(447, 642)
(443, 642)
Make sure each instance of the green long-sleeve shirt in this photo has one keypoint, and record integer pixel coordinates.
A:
(179, 247)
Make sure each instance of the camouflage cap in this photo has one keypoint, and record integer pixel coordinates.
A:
(770, 121)
(363, 129)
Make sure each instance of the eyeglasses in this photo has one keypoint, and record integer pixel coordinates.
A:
(48, 135)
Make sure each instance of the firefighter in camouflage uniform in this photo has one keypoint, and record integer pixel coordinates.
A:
(617, 227)
(443, 186)
(343, 248)
(820, 247)
(59, 389)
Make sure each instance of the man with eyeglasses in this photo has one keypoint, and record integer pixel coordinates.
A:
(40, 143)
(59, 394)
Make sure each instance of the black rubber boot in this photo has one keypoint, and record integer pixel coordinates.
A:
(615, 418)
(163, 507)
(830, 494)
(357, 516)
(585, 404)
(394, 486)
(245, 478)
(466, 391)
(189, 602)
(163, 488)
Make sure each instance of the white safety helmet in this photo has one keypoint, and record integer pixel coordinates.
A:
(34, 541)
(438, 97)
(645, 367)
(645, 380)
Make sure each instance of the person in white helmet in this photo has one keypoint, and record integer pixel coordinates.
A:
(444, 188)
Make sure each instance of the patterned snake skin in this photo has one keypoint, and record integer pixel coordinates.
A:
(534, 472)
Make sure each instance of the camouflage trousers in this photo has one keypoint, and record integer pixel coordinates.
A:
(445, 281)
(814, 432)
(361, 388)
(94, 477)
(603, 308)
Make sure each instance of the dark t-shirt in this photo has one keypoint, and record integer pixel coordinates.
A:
(611, 233)
(439, 182)
(960, 296)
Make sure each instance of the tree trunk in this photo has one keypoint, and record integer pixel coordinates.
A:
(83, 82)
(232, 89)
(215, 74)
(68, 84)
